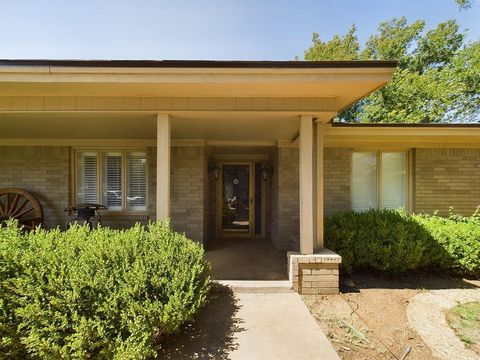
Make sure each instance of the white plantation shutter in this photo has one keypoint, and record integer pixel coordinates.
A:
(87, 177)
(393, 180)
(137, 181)
(364, 180)
(112, 180)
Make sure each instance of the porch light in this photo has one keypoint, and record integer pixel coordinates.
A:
(215, 170)
(266, 171)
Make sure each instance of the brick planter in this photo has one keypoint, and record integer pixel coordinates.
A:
(314, 274)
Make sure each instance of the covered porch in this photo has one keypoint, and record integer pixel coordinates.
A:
(194, 130)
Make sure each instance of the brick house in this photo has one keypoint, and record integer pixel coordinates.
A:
(243, 150)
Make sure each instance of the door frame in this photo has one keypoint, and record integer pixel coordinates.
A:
(221, 233)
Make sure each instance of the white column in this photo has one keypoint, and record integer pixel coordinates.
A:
(319, 186)
(306, 184)
(163, 166)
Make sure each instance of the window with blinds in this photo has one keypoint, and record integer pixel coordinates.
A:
(137, 181)
(393, 180)
(87, 177)
(364, 180)
(116, 179)
(112, 181)
(379, 180)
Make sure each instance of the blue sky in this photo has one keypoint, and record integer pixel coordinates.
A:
(208, 29)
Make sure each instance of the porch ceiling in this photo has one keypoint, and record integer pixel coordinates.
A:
(214, 126)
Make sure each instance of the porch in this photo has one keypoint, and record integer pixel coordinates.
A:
(162, 141)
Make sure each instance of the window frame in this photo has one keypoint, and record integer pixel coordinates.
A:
(408, 174)
(101, 151)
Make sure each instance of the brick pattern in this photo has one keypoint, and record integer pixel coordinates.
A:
(41, 170)
(315, 274)
(318, 279)
(445, 178)
(285, 191)
(336, 179)
(187, 191)
(285, 201)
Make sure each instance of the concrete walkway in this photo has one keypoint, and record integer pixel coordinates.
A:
(251, 326)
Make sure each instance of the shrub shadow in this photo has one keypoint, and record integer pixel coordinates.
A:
(213, 333)
(416, 280)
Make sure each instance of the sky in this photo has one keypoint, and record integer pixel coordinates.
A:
(203, 29)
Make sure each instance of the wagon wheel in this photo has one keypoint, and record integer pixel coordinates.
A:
(21, 205)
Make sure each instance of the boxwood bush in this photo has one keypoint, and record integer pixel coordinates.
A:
(103, 294)
(394, 241)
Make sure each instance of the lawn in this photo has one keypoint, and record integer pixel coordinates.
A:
(464, 319)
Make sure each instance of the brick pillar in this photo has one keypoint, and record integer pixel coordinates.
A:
(315, 273)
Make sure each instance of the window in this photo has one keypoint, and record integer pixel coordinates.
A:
(116, 179)
(379, 180)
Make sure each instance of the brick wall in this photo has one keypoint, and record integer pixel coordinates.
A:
(447, 177)
(285, 226)
(336, 179)
(42, 171)
(187, 188)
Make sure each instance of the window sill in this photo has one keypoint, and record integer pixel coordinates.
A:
(123, 213)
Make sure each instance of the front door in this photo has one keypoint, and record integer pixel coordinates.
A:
(235, 193)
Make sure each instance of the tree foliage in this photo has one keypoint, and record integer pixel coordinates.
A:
(464, 4)
(437, 78)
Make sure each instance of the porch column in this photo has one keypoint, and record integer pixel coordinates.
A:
(163, 166)
(319, 186)
(306, 184)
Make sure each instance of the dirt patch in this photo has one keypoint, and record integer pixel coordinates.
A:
(369, 320)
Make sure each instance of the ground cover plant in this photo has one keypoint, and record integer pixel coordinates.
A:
(464, 319)
(394, 241)
(104, 294)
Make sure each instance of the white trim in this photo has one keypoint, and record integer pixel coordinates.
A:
(97, 143)
(240, 143)
(188, 142)
(240, 157)
(319, 211)
(306, 184)
(163, 166)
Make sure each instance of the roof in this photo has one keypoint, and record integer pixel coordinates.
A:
(198, 63)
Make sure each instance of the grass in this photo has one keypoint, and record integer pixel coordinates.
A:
(464, 319)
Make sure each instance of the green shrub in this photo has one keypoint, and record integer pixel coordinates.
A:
(96, 294)
(459, 237)
(394, 241)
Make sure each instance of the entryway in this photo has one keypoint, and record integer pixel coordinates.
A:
(238, 246)
(246, 259)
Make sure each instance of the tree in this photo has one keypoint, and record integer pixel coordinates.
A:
(464, 4)
(437, 78)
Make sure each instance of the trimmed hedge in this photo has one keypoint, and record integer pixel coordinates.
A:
(394, 241)
(104, 294)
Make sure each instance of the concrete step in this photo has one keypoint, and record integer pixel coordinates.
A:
(254, 286)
